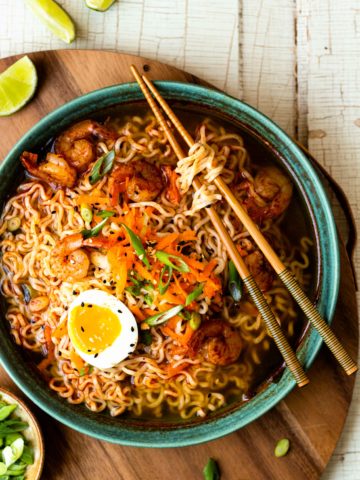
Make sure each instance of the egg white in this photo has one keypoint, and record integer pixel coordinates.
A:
(124, 344)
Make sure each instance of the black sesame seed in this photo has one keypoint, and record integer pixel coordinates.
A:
(74, 293)
(82, 329)
(82, 304)
(130, 353)
(132, 344)
(104, 281)
(119, 239)
(53, 211)
(112, 232)
(60, 354)
(89, 350)
(96, 354)
(90, 306)
(66, 308)
(97, 203)
(119, 311)
(132, 329)
(76, 208)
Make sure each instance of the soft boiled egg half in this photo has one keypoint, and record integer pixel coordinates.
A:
(102, 329)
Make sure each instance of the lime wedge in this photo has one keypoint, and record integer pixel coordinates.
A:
(17, 86)
(99, 5)
(54, 17)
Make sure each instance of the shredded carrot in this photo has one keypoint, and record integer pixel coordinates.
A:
(184, 339)
(143, 272)
(170, 298)
(60, 330)
(76, 360)
(210, 267)
(137, 312)
(166, 241)
(172, 371)
(186, 236)
(118, 266)
(92, 198)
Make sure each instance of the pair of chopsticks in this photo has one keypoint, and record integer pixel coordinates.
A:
(151, 93)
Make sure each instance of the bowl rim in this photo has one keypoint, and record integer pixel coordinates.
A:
(34, 424)
(208, 429)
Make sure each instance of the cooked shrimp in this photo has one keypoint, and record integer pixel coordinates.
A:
(77, 143)
(68, 260)
(55, 170)
(141, 180)
(220, 343)
(260, 270)
(270, 194)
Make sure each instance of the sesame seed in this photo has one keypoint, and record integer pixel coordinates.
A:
(96, 354)
(112, 232)
(82, 304)
(132, 329)
(132, 344)
(82, 329)
(53, 211)
(60, 354)
(90, 306)
(104, 281)
(119, 311)
(89, 350)
(119, 239)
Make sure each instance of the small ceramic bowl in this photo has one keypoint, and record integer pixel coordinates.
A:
(32, 434)
(274, 143)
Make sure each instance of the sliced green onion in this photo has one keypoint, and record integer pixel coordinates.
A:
(102, 167)
(86, 212)
(13, 224)
(137, 245)
(194, 294)
(6, 411)
(3, 469)
(163, 317)
(28, 456)
(195, 320)
(282, 447)
(94, 232)
(165, 258)
(211, 470)
(166, 270)
(186, 315)
(9, 439)
(105, 213)
(11, 426)
(235, 282)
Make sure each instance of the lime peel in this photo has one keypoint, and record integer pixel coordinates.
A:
(99, 5)
(54, 18)
(17, 85)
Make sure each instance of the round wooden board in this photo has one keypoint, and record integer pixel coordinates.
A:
(312, 418)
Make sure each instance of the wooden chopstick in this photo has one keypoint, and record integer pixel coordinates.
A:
(284, 273)
(253, 289)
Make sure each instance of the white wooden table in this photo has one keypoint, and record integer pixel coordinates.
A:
(295, 60)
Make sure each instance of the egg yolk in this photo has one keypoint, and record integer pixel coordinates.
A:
(93, 328)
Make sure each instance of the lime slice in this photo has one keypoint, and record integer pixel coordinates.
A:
(17, 86)
(99, 5)
(54, 17)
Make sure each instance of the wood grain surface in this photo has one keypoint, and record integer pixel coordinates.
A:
(312, 418)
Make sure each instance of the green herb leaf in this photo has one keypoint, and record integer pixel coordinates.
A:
(105, 213)
(194, 294)
(163, 317)
(282, 447)
(94, 232)
(166, 259)
(211, 470)
(9, 439)
(145, 338)
(102, 167)
(11, 426)
(166, 271)
(235, 282)
(137, 245)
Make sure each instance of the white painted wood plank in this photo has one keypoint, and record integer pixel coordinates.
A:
(200, 36)
(268, 59)
(332, 63)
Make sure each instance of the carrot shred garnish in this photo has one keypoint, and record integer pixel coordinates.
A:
(137, 312)
(166, 241)
(172, 191)
(76, 360)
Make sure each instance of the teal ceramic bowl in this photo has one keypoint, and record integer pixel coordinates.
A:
(315, 207)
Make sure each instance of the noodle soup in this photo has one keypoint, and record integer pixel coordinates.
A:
(105, 214)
